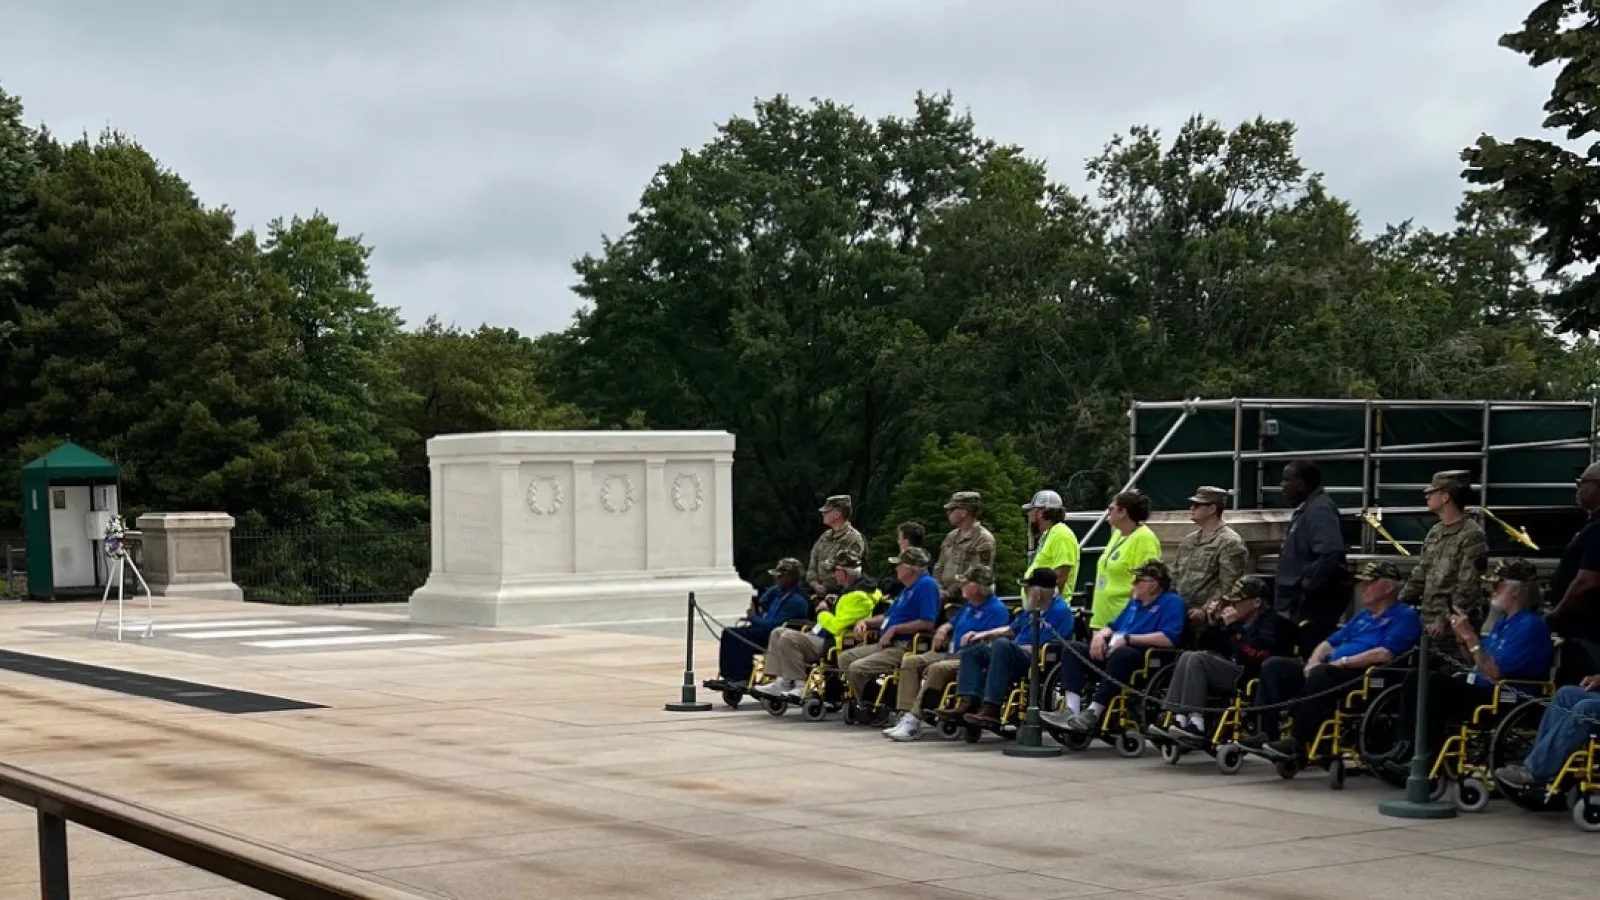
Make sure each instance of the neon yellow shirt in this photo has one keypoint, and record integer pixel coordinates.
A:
(1113, 583)
(849, 609)
(1058, 548)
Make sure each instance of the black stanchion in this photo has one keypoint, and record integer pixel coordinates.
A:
(689, 703)
(1030, 740)
(1417, 803)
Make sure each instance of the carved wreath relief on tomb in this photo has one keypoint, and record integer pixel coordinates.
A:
(687, 493)
(616, 494)
(544, 495)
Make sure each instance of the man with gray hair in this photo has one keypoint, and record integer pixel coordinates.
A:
(913, 612)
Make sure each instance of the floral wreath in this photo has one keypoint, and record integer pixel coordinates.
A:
(116, 534)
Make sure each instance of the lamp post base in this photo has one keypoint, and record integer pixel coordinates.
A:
(1031, 751)
(1413, 809)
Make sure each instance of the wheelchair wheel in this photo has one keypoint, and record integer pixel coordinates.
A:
(1230, 759)
(1286, 769)
(1131, 743)
(1147, 708)
(774, 706)
(1379, 731)
(971, 734)
(1076, 741)
(731, 698)
(1336, 775)
(1586, 813)
(814, 709)
(1472, 795)
(951, 730)
(1513, 740)
(1171, 753)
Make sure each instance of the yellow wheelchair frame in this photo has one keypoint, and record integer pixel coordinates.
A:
(1579, 781)
(1222, 743)
(1117, 727)
(1329, 749)
(1453, 763)
(1016, 705)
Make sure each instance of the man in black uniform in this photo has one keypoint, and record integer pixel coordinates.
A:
(1311, 587)
(1574, 598)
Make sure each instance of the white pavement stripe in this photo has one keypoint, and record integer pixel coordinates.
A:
(343, 641)
(270, 632)
(220, 623)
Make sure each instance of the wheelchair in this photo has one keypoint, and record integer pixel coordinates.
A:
(1012, 711)
(1136, 706)
(1222, 740)
(1364, 725)
(1576, 786)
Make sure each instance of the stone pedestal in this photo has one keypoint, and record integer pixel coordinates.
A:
(551, 527)
(188, 554)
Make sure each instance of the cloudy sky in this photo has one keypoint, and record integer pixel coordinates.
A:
(481, 145)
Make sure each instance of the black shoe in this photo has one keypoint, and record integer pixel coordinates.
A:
(1188, 734)
(1255, 743)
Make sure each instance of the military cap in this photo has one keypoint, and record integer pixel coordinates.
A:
(841, 502)
(1044, 500)
(787, 566)
(1156, 569)
(1213, 495)
(911, 556)
(1042, 578)
(1513, 568)
(847, 559)
(968, 500)
(980, 575)
(1377, 569)
(1250, 587)
(1454, 478)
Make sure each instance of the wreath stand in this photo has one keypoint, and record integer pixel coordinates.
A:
(116, 550)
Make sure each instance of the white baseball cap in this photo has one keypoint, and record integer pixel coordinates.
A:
(1044, 500)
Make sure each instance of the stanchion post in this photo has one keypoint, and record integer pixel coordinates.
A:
(1030, 742)
(1417, 804)
(689, 703)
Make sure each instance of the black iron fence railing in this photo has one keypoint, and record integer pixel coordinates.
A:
(242, 862)
(303, 567)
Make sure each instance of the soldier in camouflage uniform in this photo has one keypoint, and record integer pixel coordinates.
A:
(967, 545)
(1210, 560)
(1449, 570)
(841, 537)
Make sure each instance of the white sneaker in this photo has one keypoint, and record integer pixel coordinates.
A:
(899, 724)
(909, 729)
(777, 687)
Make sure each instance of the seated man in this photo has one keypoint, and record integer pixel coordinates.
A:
(931, 672)
(1153, 620)
(913, 612)
(1568, 723)
(1518, 648)
(1384, 630)
(1248, 632)
(739, 644)
(992, 661)
(790, 651)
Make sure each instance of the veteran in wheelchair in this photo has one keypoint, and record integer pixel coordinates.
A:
(1565, 757)
(1151, 623)
(1317, 691)
(738, 645)
(793, 654)
(995, 661)
(928, 674)
(914, 611)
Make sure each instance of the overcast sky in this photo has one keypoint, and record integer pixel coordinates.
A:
(481, 145)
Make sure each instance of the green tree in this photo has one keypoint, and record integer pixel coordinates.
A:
(1552, 188)
(963, 464)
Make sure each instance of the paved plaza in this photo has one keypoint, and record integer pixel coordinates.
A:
(537, 762)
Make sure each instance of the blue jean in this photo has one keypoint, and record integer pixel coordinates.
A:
(989, 670)
(1565, 728)
(1120, 664)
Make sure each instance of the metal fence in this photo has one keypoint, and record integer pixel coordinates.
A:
(330, 567)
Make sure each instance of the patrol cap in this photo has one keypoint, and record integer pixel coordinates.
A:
(1213, 495)
(1513, 568)
(971, 501)
(1377, 569)
(847, 559)
(1250, 587)
(1156, 569)
(980, 575)
(841, 502)
(787, 566)
(1041, 577)
(911, 556)
(1044, 500)
(1453, 478)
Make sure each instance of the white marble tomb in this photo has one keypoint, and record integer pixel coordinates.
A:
(551, 527)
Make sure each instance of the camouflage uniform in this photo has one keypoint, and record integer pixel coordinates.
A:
(1207, 566)
(833, 542)
(1449, 570)
(958, 552)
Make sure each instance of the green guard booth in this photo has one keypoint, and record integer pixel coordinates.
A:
(69, 495)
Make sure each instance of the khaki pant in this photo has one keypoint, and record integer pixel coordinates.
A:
(791, 652)
(931, 671)
(864, 663)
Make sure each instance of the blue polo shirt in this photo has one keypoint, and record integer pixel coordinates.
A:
(1397, 631)
(1056, 622)
(778, 606)
(1520, 646)
(920, 600)
(989, 614)
(1166, 614)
